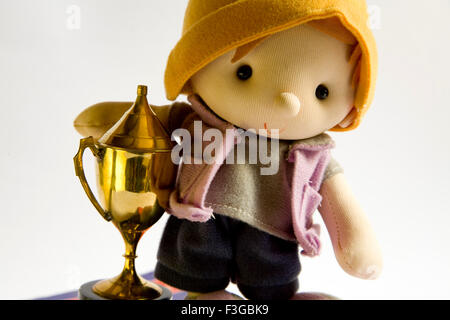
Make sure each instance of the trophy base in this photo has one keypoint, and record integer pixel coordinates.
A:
(86, 292)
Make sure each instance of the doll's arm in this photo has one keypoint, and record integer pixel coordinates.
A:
(99, 118)
(354, 243)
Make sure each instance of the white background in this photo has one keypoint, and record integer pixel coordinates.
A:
(52, 239)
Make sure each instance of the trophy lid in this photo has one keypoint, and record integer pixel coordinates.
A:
(139, 130)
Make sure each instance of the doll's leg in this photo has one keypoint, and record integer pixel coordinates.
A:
(194, 256)
(267, 267)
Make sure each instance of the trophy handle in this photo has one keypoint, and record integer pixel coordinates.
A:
(79, 170)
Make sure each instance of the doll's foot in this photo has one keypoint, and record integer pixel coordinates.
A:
(313, 296)
(216, 295)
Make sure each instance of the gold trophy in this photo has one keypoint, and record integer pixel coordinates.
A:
(134, 171)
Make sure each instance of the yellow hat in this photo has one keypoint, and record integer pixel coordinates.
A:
(214, 27)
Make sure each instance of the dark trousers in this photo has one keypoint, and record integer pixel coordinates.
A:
(205, 257)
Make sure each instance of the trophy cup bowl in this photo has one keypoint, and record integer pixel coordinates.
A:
(134, 170)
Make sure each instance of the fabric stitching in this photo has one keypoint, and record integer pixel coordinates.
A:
(249, 215)
(333, 12)
(326, 195)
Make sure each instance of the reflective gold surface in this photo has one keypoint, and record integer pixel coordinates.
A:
(139, 129)
(126, 188)
(131, 185)
(125, 183)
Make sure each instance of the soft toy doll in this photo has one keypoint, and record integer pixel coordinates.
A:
(289, 70)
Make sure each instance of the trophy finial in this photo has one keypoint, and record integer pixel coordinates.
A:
(139, 130)
(142, 90)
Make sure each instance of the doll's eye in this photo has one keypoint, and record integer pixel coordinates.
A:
(322, 92)
(244, 72)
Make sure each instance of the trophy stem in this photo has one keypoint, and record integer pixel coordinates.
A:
(128, 285)
(130, 256)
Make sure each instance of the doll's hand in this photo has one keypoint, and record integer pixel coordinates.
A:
(99, 118)
(359, 255)
(353, 239)
(188, 210)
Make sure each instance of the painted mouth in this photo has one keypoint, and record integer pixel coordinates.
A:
(269, 131)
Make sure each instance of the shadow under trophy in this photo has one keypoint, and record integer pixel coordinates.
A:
(134, 171)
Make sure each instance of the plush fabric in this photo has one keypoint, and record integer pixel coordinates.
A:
(291, 196)
(353, 239)
(241, 192)
(214, 27)
(310, 163)
(278, 95)
(99, 118)
(204, 257)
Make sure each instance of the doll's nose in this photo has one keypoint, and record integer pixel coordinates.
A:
(288, 103)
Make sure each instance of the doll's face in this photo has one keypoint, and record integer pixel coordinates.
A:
(297, 81)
